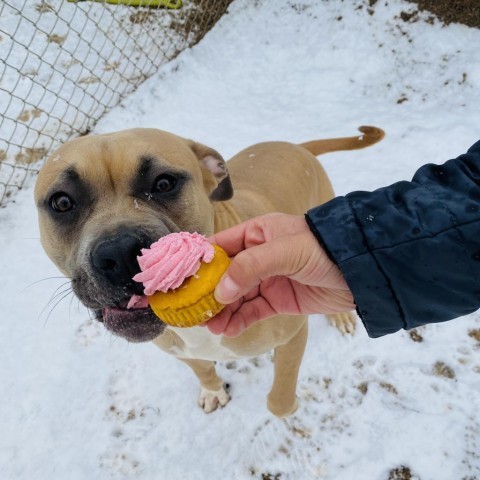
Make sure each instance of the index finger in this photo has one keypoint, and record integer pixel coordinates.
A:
(258, 230)
(232, 240)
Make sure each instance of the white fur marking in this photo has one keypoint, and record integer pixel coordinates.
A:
(202, 345)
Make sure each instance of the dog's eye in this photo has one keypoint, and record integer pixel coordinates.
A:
(164, 183)
(61, 202)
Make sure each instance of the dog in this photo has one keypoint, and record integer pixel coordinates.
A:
(102, 198)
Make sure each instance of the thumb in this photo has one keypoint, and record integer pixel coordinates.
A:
(247, 270)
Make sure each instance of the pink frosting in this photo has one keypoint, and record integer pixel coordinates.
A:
(168, 262)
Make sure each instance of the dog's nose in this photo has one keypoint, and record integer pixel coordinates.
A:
(116, 259)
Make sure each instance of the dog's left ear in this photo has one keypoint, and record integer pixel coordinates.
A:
(215, 174)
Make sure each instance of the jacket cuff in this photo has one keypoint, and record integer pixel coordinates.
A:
(336, 228)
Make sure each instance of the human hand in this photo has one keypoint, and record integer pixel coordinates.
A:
(278, 267)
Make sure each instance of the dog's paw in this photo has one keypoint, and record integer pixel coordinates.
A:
(345, 322)
(280, 409)
(210, 400)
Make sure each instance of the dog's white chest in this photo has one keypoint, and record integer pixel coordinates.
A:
(200, 344)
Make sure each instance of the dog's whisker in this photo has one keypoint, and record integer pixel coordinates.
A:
(27, 238)
(65, 286)
(42, 280)
(70, 307)
(113, 338)
(61, 286)
(56, 304)
(56, 294)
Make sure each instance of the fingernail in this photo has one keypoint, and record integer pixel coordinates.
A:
(226, 290)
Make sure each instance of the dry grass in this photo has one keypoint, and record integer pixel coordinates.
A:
(453, 11)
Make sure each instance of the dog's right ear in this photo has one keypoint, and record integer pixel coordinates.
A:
(215, 173)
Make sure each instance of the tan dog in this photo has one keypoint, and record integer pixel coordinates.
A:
(103, 198)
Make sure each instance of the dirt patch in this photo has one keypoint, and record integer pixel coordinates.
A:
(441, 369)
(363, 388)
(389, 388)
(475, 334)
(400, 473)
(415, 336)
(44, 7)
(466, 12)
(197, 25)
(142, 16)
(26, 115)
(59, 39)
(30, 155)
(271, 476)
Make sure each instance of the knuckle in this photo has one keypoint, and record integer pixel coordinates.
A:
(243, 266)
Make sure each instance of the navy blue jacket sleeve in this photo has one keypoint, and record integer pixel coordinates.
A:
(410, 252)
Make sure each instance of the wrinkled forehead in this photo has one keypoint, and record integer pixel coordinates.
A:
(115, 159)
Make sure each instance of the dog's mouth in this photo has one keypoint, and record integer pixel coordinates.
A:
(134, 324)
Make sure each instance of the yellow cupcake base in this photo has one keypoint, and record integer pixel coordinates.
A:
(193, 302)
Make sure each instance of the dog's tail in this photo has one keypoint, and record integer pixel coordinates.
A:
(371, 135)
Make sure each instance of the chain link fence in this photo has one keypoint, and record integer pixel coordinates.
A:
(63, 64)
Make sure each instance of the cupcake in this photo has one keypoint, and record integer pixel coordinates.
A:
(179, 273)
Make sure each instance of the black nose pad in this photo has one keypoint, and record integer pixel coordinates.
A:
(116, 260)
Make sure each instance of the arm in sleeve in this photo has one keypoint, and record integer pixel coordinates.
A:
(410, 252)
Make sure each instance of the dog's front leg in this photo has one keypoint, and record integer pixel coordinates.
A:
(213, 392)
(282, 399)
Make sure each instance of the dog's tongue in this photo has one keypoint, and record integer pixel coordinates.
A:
(168, 262)
(138, 301)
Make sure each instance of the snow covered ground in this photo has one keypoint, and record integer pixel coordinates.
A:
(78, 403)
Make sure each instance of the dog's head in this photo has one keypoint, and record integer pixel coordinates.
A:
(103, 198)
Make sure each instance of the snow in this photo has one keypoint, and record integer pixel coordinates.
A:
(64, 65)
(79, 403)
